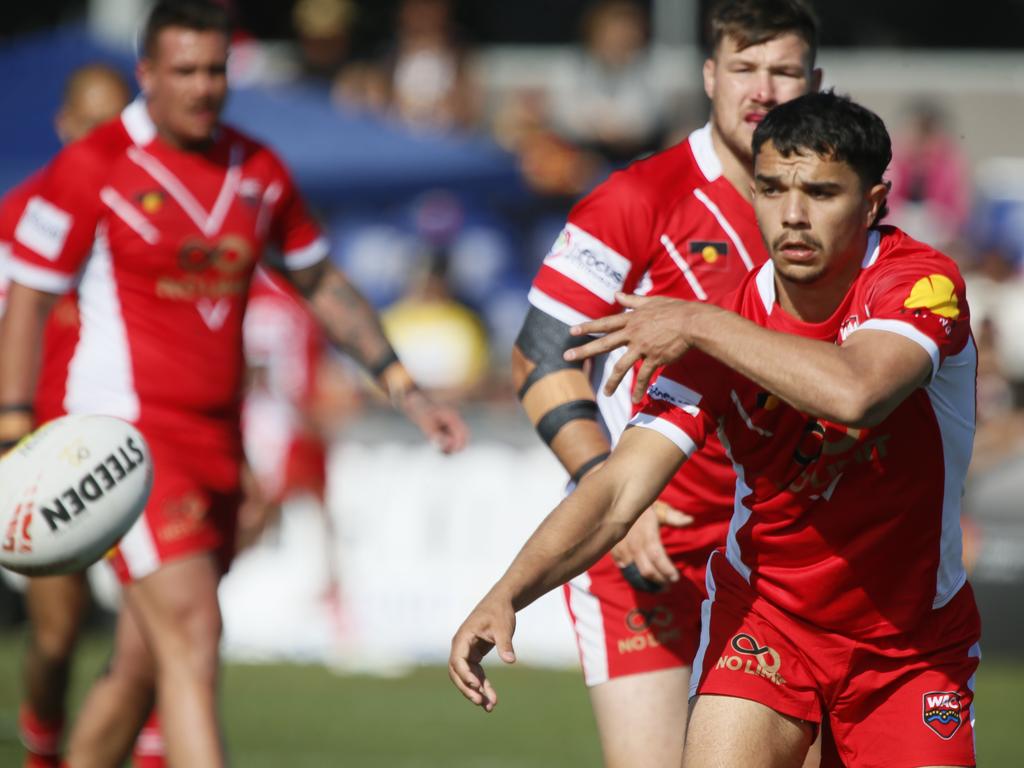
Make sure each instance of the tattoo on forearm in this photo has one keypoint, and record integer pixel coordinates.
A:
(350, 321)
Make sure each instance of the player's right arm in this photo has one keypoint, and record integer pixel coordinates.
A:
(580, 530)
(51, 239)
(602, 249)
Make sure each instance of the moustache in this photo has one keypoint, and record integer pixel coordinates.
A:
(808, 240)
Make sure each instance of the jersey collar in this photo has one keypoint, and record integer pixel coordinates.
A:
(138, 123)
(704, 153)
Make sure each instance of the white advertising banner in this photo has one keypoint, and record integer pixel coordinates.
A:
(415, 539)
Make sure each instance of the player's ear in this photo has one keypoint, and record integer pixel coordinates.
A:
(144, 74)
(876, 200)
(708, 73)
(816, 76)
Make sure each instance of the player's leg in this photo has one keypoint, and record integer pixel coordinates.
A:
(117, 703)
(149, 750)
(726, 731)
(55, 605)
(636, 648)
(757, 678)
(177, 606)
(908, 701)
(641, 719)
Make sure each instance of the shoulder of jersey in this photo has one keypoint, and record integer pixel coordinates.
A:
(97, 151)
(898, 249)
(671, 170)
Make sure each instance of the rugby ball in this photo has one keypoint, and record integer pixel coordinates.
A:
(69, 492)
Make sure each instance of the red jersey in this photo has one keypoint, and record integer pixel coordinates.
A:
(669, 225)
(61, 332)
(853, 530)
(161, 244)
(285, 346)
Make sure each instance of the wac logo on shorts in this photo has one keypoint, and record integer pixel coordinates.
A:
(942, 712)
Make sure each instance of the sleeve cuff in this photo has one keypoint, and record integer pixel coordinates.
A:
(679, 438)
(907, 331)
(39, 278)
(556, 309)
(307, 256)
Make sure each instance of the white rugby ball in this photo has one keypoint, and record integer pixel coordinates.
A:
(69, 492)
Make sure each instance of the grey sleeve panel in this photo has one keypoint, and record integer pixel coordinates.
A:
(542, 340)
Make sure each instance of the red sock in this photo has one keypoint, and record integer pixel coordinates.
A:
(149, 746)
(41, 739)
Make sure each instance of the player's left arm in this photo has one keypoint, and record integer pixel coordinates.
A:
(347, 318)
(352, 324)
(858, 383)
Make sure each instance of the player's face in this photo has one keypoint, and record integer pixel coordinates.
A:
(95, 102)
(744, 84)
(186, 85)
(813, 213)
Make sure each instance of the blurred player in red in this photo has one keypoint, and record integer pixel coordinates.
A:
(841, 376)
(56, 604)
(159, 218)
(676, 224)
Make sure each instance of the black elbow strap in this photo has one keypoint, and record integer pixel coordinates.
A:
(542, 340)
(588, 465)
(560, 415)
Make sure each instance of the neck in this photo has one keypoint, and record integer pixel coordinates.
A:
(185, 145)
(737, 170)
(817, 301)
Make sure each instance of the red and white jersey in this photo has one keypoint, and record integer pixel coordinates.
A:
(853, 530)
(669, 225)
(61, 333)
(161, 244)
(284, 346)
(11, 207)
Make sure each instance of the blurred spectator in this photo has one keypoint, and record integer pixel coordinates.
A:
(423, 79)
(322, 31)
(931, 182)
(441, 341)
(552, 166)
(607, 101)
(996, 295)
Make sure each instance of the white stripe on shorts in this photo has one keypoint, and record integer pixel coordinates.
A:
(705, 629)
(589, 626)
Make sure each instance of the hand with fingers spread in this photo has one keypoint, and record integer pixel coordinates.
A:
(641, 555)
(490, 625)
(654, 333)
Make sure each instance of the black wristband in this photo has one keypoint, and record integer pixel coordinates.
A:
(588, 465)
(377, 368)
(17, 408)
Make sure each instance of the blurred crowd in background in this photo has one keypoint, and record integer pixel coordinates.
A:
(451, 268)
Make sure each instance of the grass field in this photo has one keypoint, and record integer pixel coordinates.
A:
(306, 717)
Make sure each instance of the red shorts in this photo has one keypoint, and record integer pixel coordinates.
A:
(193, 508)
(305, 469)
(624, 631)
(894, 702)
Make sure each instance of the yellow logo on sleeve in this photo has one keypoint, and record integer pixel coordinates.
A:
(937, 294)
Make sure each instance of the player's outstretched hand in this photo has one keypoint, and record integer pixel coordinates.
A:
(490, 625)
(641, 556)
(652, 332)
(440, 424)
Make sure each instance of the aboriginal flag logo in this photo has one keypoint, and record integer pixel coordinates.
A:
(942, 712)
(712, 253)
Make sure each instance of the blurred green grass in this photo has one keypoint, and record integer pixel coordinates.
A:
(306, 716)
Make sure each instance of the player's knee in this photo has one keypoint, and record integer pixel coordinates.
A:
(55, 640)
